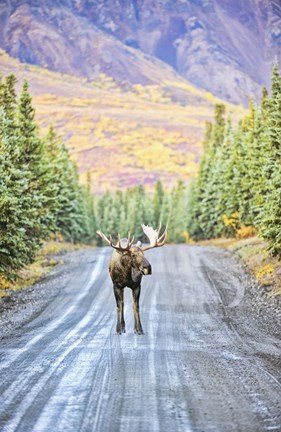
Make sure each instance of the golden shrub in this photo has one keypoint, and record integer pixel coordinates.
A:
(266, 274)
(245, 232)
(185, 234)
(265, 270)
(233, 220)
(4, 283)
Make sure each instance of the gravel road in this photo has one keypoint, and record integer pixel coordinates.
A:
(205, 363)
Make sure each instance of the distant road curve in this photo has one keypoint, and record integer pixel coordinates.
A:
(197, 368)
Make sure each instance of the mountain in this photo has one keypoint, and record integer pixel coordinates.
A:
(122, 135)
(226, 47)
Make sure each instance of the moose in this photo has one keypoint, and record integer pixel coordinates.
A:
(127, 266)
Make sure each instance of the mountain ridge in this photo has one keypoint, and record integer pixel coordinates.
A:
(225, 47)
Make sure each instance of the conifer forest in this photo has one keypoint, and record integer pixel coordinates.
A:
(237, 189)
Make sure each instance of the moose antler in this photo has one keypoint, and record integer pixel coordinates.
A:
(118, 246)
(153, 236)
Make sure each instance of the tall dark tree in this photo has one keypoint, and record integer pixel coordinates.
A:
(209, 206)
(15, 250)
(34, 161)
(157, 202)
(270, 217)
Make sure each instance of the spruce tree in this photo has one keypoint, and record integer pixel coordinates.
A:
(197, 188)
(209, 217)
(66, 203)
(270, 216)
(178, 213)
(158, 197)
(90, 209)
(15, 218)
(33, 159)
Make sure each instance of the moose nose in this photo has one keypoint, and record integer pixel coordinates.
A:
(148, 269)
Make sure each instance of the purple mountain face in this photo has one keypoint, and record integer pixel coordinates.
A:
(226, 47)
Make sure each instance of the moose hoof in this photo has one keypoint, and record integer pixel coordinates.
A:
(139, 332)
(120, 330)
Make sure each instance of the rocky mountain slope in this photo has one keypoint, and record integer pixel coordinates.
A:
(224, 46)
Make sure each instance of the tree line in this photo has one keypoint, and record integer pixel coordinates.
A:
(238, 187)
(40, 193)
(125, 211)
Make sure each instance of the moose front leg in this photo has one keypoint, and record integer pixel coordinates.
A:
(136, 296)
(119, 296)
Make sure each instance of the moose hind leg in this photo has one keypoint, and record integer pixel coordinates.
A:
(136, 296)
(119, 297)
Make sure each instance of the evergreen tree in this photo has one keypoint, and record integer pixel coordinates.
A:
(178, 213)
(15, 250)
(32, 159)
(270, 215)
(245, 172)
(1, 91)
(208, 217)
(157, 202)
(90, 209)
(223, 205)
(197, 188)
(70, 205)
(67, 213)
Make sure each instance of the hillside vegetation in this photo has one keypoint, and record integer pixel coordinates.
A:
(123, 135)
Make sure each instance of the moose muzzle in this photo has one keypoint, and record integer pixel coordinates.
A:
(147, 270)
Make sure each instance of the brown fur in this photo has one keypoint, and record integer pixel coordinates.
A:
(127, 266)
(126, 270)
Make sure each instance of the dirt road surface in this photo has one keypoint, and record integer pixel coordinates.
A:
(205, 363)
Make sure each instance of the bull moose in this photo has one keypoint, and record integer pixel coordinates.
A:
(127, 266)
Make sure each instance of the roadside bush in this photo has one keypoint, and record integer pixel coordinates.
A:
(245, 232)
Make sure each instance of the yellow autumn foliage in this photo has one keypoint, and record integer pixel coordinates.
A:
(232, 221)
(4, 283)
(265, 275)
(245, 232)
(187, 238)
